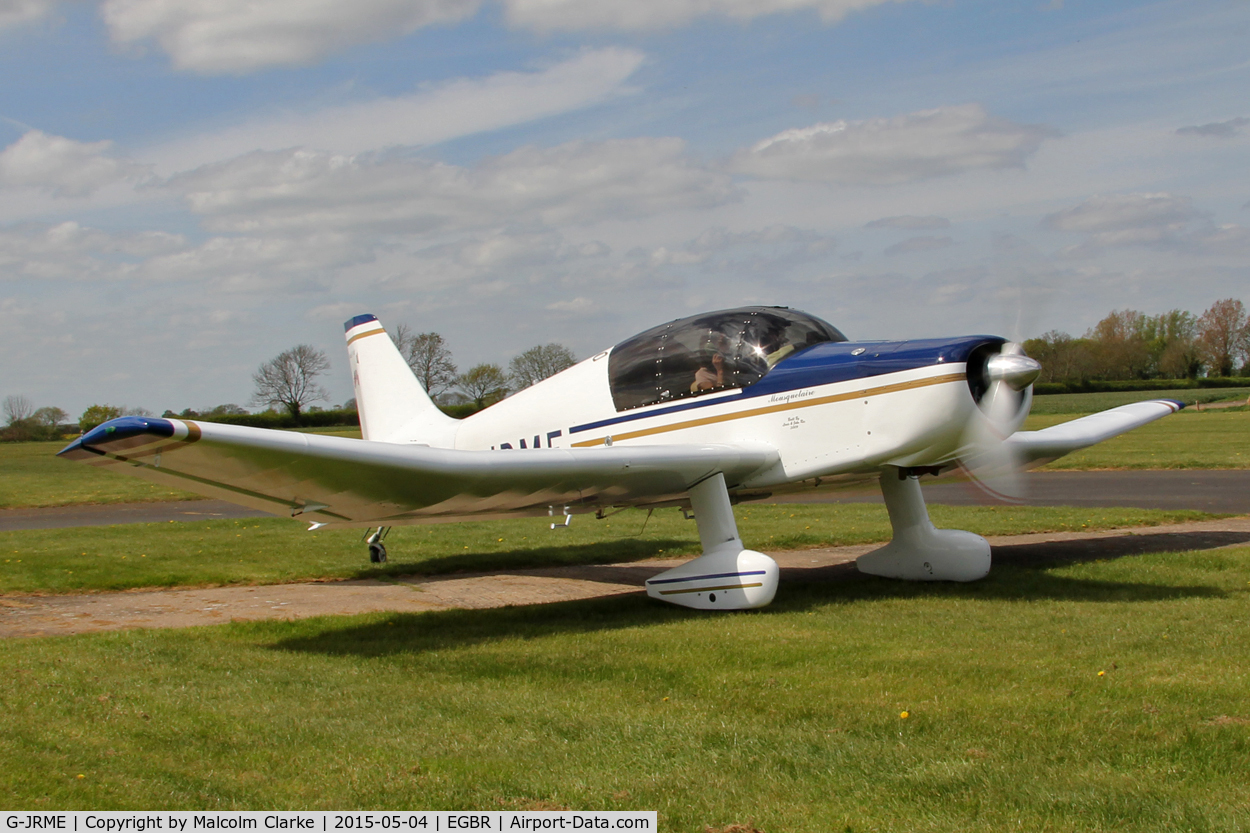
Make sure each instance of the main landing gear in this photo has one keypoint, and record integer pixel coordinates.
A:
(920, 551)
(726, 576)
(377, 550)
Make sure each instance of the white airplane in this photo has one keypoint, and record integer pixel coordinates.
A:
(699, 413)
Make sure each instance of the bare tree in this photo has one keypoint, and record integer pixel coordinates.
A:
(289, 380)
(537, 363)
(1224, 335)
(485, 384)
(17, 409)
(430, 359)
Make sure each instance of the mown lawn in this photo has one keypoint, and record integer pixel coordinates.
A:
(1099, 696)
(1088, 403)
(274, 550)
(1187, 440)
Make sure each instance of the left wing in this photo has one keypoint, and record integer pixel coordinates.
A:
(338, 481)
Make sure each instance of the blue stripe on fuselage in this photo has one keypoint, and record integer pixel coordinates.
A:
(827, 364)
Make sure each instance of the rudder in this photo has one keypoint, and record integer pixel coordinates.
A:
(393, 406)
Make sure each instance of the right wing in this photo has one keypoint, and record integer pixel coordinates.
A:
(1036, 448)
(338, 481)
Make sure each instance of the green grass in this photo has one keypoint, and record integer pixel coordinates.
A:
(786, 718)
(269, 551)
(1187, 440)
(32, 475)
(1088, 403)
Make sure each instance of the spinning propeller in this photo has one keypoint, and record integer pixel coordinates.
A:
(1000, 377)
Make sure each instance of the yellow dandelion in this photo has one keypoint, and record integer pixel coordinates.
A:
(904, 715)
(1102, 673)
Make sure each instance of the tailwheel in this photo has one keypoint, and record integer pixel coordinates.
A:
(377, 550)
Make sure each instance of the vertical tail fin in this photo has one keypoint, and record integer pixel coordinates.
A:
(392, 404)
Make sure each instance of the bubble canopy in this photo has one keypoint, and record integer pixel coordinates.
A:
(713, 351)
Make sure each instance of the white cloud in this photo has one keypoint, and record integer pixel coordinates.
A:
(774, 243)
(910, 222)
(880, 151)
(432, 114)
(301, 192)
(237, 36)
(634, 15)
(71, 252)
(919, 244)
(1125, 219)
(16, 12)
(63, 166)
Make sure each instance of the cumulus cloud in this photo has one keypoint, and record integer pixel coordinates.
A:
(919, 244)
(636, 15)
(1125, 219)
(1216, 129)
(16, 12)
(910, 222)
(237, 36)
(63, 166)
(431, 114)
(880, 151)
(298, 191)
(719, 244)
(69, 251)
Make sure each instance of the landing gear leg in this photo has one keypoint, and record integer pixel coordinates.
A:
(726, 576)
(377, 550)
(920, 551)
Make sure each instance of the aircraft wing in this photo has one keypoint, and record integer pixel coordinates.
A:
(338, 481)
(1036, 448)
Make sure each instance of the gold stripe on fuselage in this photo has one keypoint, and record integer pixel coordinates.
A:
(784, 406)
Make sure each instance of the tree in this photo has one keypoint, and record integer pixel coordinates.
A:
(289, 380)
(49, 418)
(485, 384)
(97, 415)
(1224, 336)
(1119, 346)
(429, 358)
(1173, 343)
(1063, 358)
(537, 363)
(17, 409)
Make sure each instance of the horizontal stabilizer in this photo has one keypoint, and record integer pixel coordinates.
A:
(1036, 448)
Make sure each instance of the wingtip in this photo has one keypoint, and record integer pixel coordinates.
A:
(1180, 406)
(117, 433)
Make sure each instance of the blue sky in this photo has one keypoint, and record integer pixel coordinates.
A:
(188, 188)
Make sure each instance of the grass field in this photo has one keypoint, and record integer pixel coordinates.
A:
(1088, 403)
(1187, 440)
(1101, 696)
(268, 551)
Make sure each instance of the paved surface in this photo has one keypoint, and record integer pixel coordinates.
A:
(1209, 491)
(26, 616)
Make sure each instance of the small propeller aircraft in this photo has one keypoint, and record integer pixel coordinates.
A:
(698, 413)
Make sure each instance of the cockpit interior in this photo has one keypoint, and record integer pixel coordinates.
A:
(716, 351)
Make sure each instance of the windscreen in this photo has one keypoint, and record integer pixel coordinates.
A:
(710, 352)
